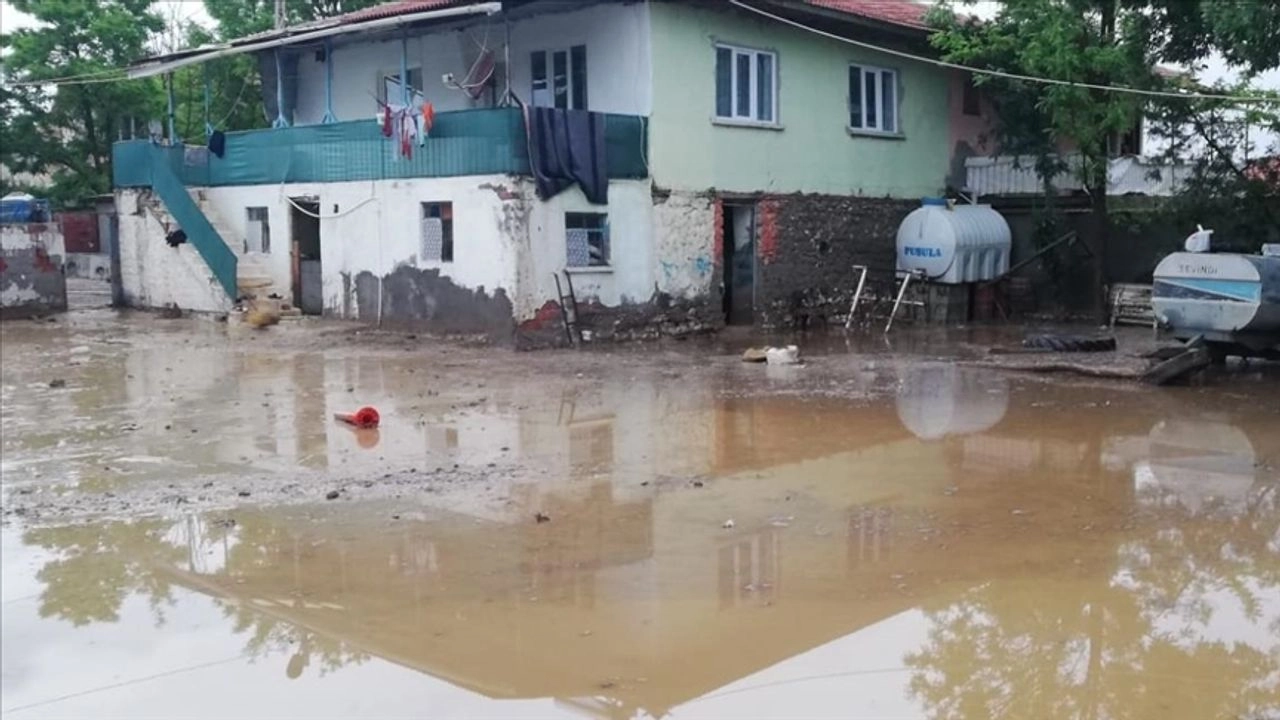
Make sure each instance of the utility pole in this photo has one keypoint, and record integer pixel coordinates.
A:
(280, 15)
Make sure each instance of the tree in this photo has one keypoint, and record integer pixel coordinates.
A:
(237, 18)
(66, 130)
(1098, 42)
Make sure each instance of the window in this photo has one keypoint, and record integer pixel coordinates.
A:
(873, 99)
(391, 90)
(560, 78)
(746, 84)
(586, 239)
(257, 230)
(437, 232)
(1128, 142)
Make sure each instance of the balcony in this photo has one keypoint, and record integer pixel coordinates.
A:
(487, 141)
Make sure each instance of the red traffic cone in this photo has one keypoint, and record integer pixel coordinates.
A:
(365, 417)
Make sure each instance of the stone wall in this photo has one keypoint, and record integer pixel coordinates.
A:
(808, 245)
(32, 282)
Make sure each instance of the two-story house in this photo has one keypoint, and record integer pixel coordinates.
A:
(746, 156)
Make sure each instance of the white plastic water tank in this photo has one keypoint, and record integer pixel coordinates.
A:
(960, 244)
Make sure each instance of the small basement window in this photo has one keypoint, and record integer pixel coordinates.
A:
(586, 239)
(257, 230)
(437, 232)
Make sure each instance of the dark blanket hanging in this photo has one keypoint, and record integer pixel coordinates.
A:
(217, 142)
(567, 146)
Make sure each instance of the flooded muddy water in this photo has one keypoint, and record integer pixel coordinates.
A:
(641, 534)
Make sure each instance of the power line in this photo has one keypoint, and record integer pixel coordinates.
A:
(1009, 75)
(78, 79)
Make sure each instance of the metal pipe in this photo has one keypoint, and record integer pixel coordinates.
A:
(329, 117)
(208, 126)
(280, 121)
(404, 70)
(169, 91)
(857, 295)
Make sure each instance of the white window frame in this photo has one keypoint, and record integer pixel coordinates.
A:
(877, 75)
(423, 218)
(605, 240)
(259, 225)
(754, 114)
(571, 85)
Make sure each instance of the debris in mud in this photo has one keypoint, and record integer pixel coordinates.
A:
(57, 383)
(1070, 343)
(789, 355)
(1179, 366)
(332, 495)
(244, 493)
(170, 312)
(261, 317)
(365, 418)
(728, 524)
(541, 517)
(754, 355)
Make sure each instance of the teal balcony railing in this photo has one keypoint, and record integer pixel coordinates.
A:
(466, 142)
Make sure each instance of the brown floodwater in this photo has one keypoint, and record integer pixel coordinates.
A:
(874, 536)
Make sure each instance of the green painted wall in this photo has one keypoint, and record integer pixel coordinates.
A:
(813, 152)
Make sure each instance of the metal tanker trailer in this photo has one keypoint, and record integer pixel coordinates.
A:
(1232, 300)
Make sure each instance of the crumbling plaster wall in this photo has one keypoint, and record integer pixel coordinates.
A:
(32, 281)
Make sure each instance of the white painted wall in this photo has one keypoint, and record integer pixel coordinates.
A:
(619, 67)
(153, 274)
(629, 278)
(375, 228)
(504, 237)
(618, 62)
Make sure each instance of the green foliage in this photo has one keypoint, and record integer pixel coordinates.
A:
(66, 132)
(237, 18)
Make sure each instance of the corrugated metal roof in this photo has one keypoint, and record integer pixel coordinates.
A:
(906, 13)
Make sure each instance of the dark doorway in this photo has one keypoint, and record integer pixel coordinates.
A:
(739, 263)
(304, 219)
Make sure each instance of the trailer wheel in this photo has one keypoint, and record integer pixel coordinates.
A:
(1070, 343)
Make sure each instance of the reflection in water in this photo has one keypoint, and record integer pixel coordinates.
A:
(963, 553)
(935, 401)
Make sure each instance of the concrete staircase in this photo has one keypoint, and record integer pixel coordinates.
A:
(253, 276)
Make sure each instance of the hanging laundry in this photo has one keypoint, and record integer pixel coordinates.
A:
(386, 120)
(217, 142)
(428, 117)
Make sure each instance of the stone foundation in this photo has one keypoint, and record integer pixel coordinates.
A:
(808, 245)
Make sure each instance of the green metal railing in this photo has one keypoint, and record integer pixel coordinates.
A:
(466, 142)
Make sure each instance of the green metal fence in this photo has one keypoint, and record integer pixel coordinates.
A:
(467, 142)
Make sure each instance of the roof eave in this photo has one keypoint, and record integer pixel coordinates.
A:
(160, 64)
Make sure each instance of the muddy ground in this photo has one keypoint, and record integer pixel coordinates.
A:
(651, 530)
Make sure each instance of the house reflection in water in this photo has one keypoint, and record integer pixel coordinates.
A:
(850, 519)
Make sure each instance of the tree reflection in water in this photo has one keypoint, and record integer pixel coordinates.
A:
(1136, 639)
